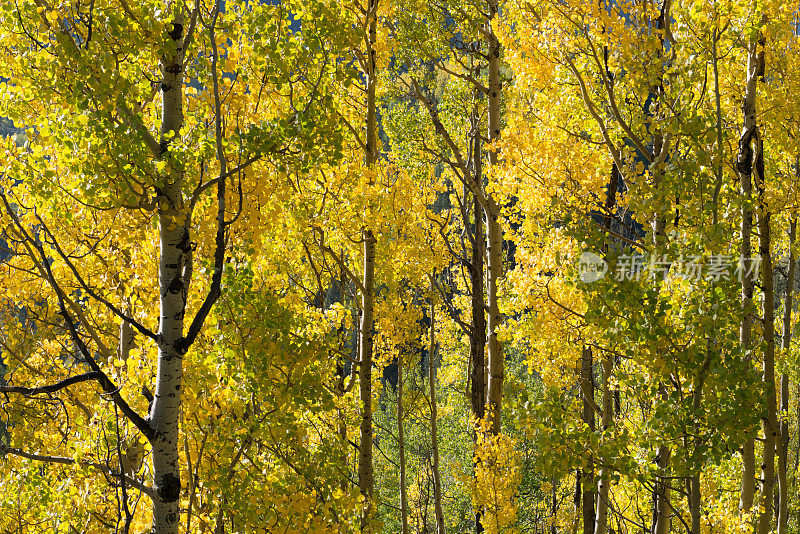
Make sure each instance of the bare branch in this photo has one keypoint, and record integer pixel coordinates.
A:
(105, 382)
(485, 202)
(321, 244)
(52, 388)
(133, 322)
(65, 460)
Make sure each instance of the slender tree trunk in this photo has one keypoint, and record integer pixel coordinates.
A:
(661, 506)
(694, 494)
(695, 497)
(661, 510)
(366, 482)
(494, 232)
(437, 482)
(744, 167)
(587, 476)
(401, 444)
(365, 472)
(477, 340)
(173, 247)
(495, 383)
(126, 337)
(344, 343)
(786, 338)
(718, 168)
(695, 502)
(770, 422)
(748, 475)
(554, 505)
(603, 481)
(577, 501)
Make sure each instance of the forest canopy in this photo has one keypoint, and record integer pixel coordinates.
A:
(306, 266)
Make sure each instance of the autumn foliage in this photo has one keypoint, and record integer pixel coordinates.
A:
(495, 266)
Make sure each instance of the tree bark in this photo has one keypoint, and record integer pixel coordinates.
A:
(661, 506)
(495, 233)
(577, 501)
(770, 422)
(587, 475)
(401, 445)
(437, 482)
(477, 338)
(174, 245)
(718, 167)
(786, 338)
(366, 480)
(695, 502)
(694, 493)
(661, 510)
(744, 167)
(603, 481)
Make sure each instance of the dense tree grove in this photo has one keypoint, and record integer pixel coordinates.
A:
(301, 266)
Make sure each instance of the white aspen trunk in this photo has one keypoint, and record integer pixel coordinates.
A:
(437, 482)
(125, 340)
(173, 245)
(786, 338)
(661, 508)
(495, 353)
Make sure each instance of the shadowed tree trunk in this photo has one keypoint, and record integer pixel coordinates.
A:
(494, 393)
(587, 475)
(437, 483)
(401, 444)
(786, 338)
(477, 338)
(770, 422)
(604, 482)
(744, 167)
(366, 476)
